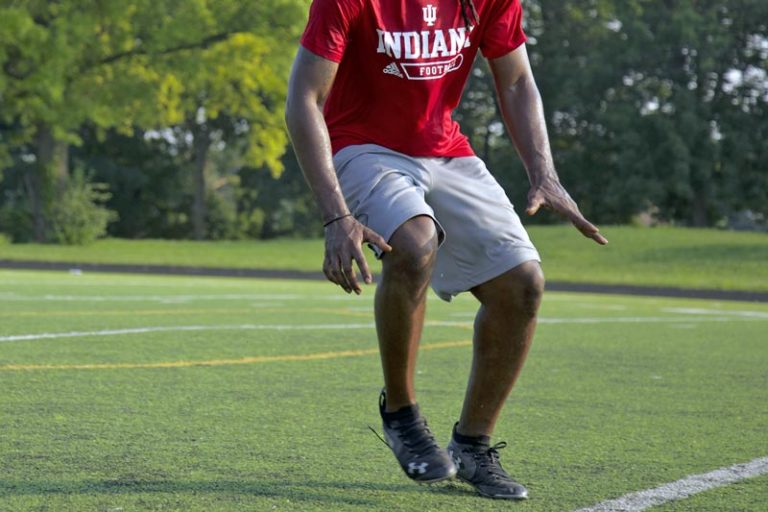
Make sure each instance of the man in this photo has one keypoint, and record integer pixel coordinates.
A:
(369, 113)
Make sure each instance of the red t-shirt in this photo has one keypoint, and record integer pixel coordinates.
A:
(402, 68)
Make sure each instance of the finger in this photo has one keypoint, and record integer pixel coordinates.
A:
(376, 239)
(535, 202)
(600, 239)
(327, 271)
(588, 229)
(332, 271)
(362, 264)
(349, 275)
(344, 279)
(336, 278)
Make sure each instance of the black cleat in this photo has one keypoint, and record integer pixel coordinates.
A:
(479, 466)
(414, 446)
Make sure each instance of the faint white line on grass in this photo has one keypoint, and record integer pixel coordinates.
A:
(636, 320)
(258, 308)
(369, 325)
(729, 312)
(181, 328)
(15, 297)
(688, 486)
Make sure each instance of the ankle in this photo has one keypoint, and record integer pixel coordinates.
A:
(398, 409)
(473, 438)
(404, 414)
(391, 407)
(394, 401)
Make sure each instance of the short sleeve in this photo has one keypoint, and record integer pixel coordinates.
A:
(504, 30)
(328, 27)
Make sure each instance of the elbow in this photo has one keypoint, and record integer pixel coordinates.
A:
(300, 107)
(522, 82)
(292, 111)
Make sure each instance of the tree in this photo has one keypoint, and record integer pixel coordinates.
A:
(653, 105)
(121, 65)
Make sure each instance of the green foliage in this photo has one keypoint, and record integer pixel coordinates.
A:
(16, 217)
(78, 215)
(118, 65)
(656, 111)
(152, 188)
(72, 67)
(651, 106)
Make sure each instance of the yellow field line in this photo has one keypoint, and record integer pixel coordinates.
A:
(224, 362)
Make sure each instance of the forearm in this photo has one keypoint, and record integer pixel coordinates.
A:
(309, 135)
(523, 114)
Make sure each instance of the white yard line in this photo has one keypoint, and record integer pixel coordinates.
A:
(729, 312)
(15, 297)
(684, 488)
(181, 328)
(369, 325)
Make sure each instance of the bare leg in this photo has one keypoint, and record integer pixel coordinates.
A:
(504, 329)
(401, 303)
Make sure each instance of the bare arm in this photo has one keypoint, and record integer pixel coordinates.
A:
(311, 80)
(309, 85)
(523, 115)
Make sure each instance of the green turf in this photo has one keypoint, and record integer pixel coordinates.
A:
(697, 258)
(620, 394)
(740, 496)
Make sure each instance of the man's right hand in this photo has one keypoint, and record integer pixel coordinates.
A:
(344, 239)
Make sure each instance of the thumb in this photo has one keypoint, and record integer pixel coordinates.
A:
(535, 201)
(376, 239)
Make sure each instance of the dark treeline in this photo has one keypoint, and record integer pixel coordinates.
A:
(656, 111)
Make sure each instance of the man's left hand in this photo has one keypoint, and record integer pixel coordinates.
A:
(551, 194)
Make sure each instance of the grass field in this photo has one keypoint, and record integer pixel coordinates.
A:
(133, 393)
(695, 258)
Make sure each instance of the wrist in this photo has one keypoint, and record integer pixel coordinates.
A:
(330, 220)
(539, 178)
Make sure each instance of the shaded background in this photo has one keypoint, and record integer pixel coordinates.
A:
(163, 119)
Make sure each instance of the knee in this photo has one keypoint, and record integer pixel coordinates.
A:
(521, 290)
(530, 287)
(414, 249)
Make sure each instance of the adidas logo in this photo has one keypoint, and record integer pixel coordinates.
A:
(392, 69)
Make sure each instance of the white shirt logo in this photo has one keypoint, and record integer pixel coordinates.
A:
(392, 69)
(430, 14)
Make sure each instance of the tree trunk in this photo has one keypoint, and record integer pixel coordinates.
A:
(48, 179)
(201, 144)
(699, 217)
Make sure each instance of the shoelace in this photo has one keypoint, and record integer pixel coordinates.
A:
(417, 437)
(489, 460)
(425, 442)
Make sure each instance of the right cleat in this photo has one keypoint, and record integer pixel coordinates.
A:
(408, 436)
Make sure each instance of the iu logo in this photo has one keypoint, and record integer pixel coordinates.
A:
(430, 14)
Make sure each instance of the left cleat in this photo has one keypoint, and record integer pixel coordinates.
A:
(479, 466)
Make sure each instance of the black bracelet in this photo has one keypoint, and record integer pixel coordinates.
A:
(337, 218)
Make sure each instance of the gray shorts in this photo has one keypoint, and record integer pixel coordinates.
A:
(481, 235)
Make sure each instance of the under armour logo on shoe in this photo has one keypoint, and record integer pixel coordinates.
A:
(456, 460)
(417, 469)
(392, 69)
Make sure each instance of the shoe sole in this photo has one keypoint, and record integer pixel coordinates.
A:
(451, 475)
(495, 496)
